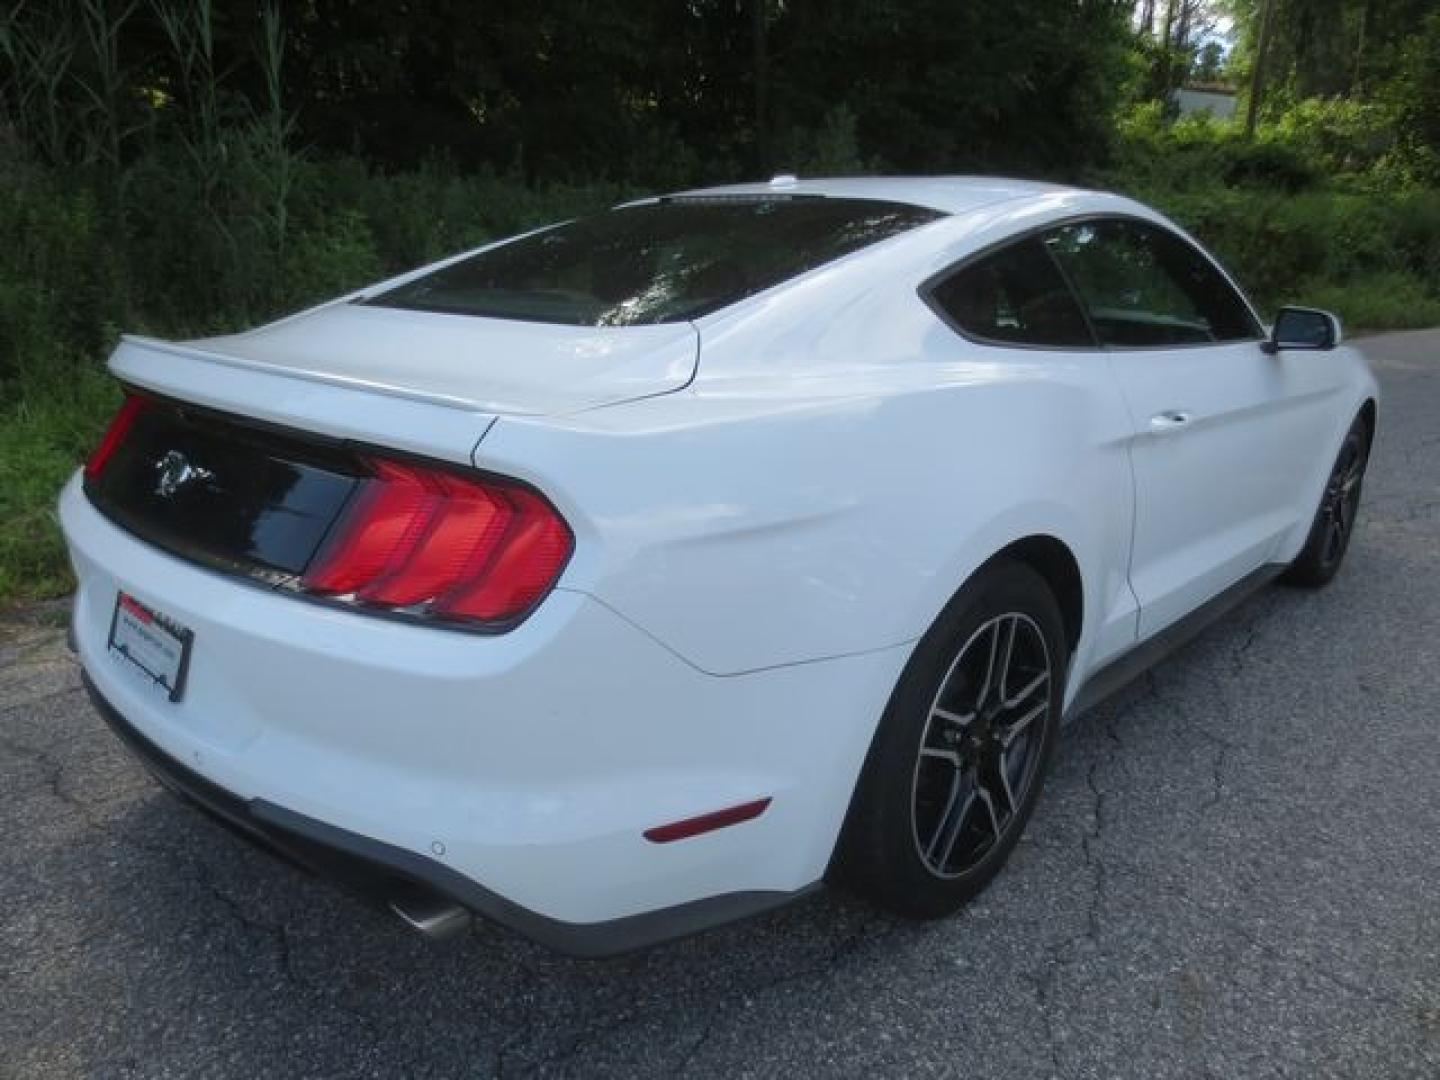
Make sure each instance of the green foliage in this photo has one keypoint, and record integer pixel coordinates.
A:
(58, 283)
(1392, 300)
(1327, 48)
(1416, 96)
(831, 149)
(1198, 151)
(47, 425)
(186, 167)
(935, 86)
(1286, 249)
(1336, 135)
(328, 259)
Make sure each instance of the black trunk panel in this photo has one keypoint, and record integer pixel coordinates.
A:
(221, 491)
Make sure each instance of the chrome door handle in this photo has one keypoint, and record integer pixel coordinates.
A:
(1169, 420)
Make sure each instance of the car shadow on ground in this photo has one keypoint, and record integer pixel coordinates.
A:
(222, 922)
(226, 925)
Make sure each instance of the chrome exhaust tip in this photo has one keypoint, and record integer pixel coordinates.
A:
(430, 915)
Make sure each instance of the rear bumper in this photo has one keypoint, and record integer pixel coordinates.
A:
(515, 774)
(383, 873)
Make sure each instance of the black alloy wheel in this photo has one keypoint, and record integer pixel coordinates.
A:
(960, 755)
(1334, 523)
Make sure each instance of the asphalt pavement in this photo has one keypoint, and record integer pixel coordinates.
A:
(1234, 872)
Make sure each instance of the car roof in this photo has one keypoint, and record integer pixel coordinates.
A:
(949, 194)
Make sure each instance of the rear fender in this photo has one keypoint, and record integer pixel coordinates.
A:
(746, 532)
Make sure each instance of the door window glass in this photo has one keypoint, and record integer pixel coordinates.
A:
(1144, 286)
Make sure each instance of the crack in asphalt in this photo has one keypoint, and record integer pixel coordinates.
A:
(1065, 953)
(1203, 729)
(54, 775)
(54, 770)
(1041, 986)
(843, 949)
(185, 866)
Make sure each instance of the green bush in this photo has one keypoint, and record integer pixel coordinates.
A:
(329, 258)
(1337, 135)
(831, 149)
(1281, 246)
(47, 425)
(57, 274)
(1395, 301)
(1199, 151)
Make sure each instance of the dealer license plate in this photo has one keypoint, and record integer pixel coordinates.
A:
(156, 644)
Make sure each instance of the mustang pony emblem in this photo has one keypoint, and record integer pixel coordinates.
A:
(176, 472)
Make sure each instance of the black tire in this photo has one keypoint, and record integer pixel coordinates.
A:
(1334, 523)
(907, 843)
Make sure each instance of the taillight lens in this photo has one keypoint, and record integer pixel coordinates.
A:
(114, 435)
(440, 544)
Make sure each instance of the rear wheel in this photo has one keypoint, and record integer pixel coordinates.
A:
(1334, 523)
(960, 755)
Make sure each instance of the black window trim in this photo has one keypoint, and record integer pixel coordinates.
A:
(926, 288)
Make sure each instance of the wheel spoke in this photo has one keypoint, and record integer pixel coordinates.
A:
(997, 661)
(961, 720)
(952, 820)
(956, 830)
(984, 796)
(996, 781)
(1025, 691)
(950, 757)
(1016, 728)
(990, 657)
(1002, 676)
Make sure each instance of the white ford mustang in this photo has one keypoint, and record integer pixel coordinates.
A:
(645, 571)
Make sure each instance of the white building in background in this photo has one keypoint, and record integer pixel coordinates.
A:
(1218, 103)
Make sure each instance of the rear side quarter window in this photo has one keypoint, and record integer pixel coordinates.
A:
(1014, 296)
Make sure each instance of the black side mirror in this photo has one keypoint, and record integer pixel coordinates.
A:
(1303, 328)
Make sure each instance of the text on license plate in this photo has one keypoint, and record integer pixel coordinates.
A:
(156, 644)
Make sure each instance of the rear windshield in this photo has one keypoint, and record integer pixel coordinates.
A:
(656, 263)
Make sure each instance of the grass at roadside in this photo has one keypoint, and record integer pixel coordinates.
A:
(46, 429)
(1383, 301)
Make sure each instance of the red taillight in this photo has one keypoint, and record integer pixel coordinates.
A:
(441, 544)
(114, 435)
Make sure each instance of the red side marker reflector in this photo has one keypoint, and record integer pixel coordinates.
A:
(716, 819)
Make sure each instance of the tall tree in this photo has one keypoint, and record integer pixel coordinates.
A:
(1257, 67)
